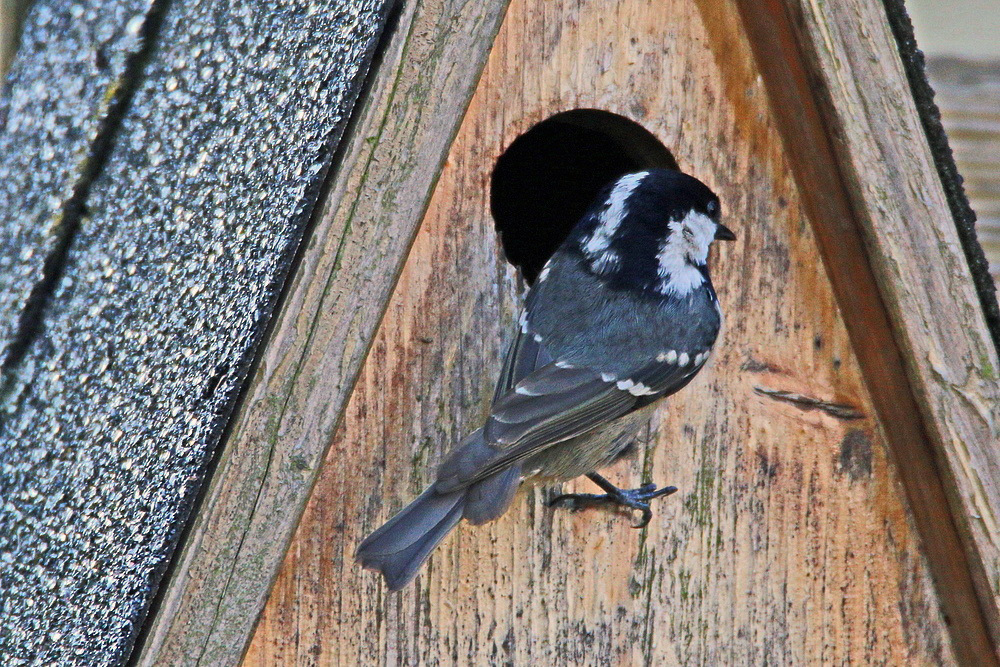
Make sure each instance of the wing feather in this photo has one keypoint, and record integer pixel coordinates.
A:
(456, 472)
(524, 356)
(559, 414)
(571, 407)
(662, 377)
(539, 403)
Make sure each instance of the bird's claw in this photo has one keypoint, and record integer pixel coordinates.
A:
(635, 499)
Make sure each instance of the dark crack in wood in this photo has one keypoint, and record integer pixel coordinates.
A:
(806, 403)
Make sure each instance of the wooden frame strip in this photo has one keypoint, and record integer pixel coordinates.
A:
(868, 180)
(375, 201)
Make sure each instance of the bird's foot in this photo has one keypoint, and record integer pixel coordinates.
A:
(636, 499)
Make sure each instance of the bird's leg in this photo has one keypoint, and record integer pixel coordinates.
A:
(636, 499)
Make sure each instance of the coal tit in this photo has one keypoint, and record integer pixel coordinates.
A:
(623, 314)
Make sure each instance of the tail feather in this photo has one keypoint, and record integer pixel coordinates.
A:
(401, 546)
(488, 499)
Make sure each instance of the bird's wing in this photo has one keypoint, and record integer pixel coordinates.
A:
(552, 404)
(559, 401)
(524, 356)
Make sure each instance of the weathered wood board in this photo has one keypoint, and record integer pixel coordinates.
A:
(931, 331)
(790, 541)
(322, 334)
(11, 18)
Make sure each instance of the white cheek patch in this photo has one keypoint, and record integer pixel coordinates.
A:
(703, 230)
(685, 249)
(681, 282)
(611, 217)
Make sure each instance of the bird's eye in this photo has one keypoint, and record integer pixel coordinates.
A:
(712, 208)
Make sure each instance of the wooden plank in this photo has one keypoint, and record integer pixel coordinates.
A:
(167, 226)
(11, 17)
(968, 94)
(883, 194)
(789, 541)
(322, 333)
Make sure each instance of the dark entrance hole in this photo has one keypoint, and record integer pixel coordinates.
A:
(545, 180)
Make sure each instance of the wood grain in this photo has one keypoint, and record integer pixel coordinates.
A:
(322, 333)
(789, 542)
(941, 341)
(11, 17)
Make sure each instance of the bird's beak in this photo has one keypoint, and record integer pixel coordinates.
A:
(723, 233)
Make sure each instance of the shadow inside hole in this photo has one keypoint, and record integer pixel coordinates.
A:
(548, 177)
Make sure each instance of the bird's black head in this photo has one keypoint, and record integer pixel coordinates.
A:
(651, 230)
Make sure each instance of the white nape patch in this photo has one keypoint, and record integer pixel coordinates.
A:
(669, 356)
(606, 262)
(524, 321)
(611, 217)
(683, 359)
(685, 249)
(607, 377)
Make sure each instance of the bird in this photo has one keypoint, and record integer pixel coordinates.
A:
(621, 315)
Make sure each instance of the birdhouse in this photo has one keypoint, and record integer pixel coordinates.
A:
(260, 271)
